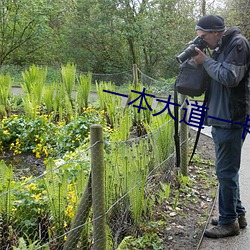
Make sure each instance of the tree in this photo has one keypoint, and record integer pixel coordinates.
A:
(21, 21)
(101, 36)
(237, 12)
(105, 36)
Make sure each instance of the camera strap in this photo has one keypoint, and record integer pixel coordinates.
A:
(176, 125)
(199, 128)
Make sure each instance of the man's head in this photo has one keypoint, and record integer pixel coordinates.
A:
(211, 28)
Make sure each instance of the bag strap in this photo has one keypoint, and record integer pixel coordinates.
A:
(176, 125)
(199, 130)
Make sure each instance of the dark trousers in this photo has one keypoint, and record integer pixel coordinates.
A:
(228, 144)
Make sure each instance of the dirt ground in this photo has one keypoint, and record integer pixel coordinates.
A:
(187, 223)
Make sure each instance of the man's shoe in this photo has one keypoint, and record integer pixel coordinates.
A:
(221, 231)
(241, 219)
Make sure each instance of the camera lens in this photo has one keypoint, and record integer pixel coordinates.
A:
(187, 53)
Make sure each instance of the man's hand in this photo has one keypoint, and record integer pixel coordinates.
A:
(200, 58)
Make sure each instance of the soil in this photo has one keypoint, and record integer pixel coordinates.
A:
(25, 164)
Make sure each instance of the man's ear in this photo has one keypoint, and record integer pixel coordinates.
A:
(219, 34)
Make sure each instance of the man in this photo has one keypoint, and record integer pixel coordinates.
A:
(228, 103)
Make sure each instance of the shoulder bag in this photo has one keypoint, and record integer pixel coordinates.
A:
(192, 79)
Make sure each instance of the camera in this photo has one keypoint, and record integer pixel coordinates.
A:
(190, 51)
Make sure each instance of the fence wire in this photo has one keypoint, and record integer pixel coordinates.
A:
(41, 210)
(165, 85)
(45, 210)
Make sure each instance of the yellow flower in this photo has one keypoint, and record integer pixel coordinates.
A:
(14, 209)
(73, 199)
(12, 145)
(26, 178)
(31, 187)
(16, 152)
(6, 132)
(45, 151)
(37, 196)
(69, 211)
(38, 156)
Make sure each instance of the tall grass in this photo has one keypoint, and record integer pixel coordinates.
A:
(5, 90)
(56, 187)
(68, 74)
(143, 115)
(83, 91)
(161, 131)
(62, 106)
(103, 97)
(6, 197)
(111, 103)
(48, 98)
(126, 172)
(33, 86)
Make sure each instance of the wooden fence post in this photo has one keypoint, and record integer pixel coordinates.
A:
(98, 195)
(183, 139)
(135, 75)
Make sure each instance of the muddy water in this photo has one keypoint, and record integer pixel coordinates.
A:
(24, 165)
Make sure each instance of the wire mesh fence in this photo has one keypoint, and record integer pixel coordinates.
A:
(166, 86)
(46, 210)
(56, 210)
(118, 78)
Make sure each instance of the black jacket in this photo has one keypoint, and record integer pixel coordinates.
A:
(229, 89)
